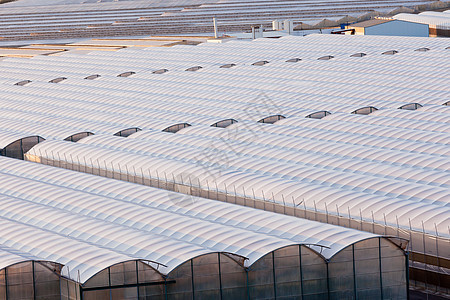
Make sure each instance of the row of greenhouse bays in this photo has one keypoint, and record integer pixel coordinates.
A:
(293, 272)
(225, 66)
(18, 148)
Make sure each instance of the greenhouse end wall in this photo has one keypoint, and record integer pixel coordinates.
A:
(293, 272)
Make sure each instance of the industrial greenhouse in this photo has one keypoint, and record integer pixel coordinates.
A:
(138, 244)
(270, 181)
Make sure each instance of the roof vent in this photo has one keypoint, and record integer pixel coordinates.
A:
(271, 119)
(422, 49)
(360, 54)
(160, 71)
(56, 80)
(294, 60)
(23, 82)
(318, 115)
(411, 106)
(227, 66)
(127, 132)
(92, 77)
(192, 69)
(326, 57)
(364, 110)
(126, 74)
(175, 128)
(390, 52)
(260, 63)
(78, 136)
(224, 123)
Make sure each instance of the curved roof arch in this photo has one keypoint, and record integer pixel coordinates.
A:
(78, 136)
(176, 127)
(227, 66)
(126, 74)
(58, 79)
(411, 106)
(260, 63)
(271, 119)
(364, 110)
(128, 131)
(224, 123)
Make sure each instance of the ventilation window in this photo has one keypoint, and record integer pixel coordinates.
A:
(175, 128)
(59, 79)
(293, 60)
(410, 106)
(391, 52)
(364, 110)
(447, 103)
(318, 115)
(92, 77)
(224, 123)
(327, 57)
(271, 119)
(360, 54)
(160, 71)
(126, 74)
(78, 136)
(227, 66)
(422, 49)
(127, 132)
(193, 69)
(19, 148)
(260, 63)
(23, 82)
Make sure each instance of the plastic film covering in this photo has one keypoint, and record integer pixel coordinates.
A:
(276, 270)
(262, 191)
(370, 184)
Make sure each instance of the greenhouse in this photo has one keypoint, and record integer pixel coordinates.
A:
(176, 252)
(250, 175)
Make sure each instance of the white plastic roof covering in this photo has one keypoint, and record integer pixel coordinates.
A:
(313, 196)
(7, 137)
(433, 18)
(274, 88)
(232, 160)
(351, 123)
(10, 256)
(256, 134)
(126, 219)
(223, 145)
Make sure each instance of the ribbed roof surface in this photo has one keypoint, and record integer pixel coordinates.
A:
(390, 167)
(123, 221)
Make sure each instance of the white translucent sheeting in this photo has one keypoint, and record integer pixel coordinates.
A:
(35, 129)
(346, 123)
(256, 134)
(297, 230)
(10, 256)
(7, 137)
(74, 255)
(328, 130)
(223, 145)
(313, 197)
(443, 109)
(148, 234)
(413, 115)
(230, 160)
(434, 19)
(390, 120)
